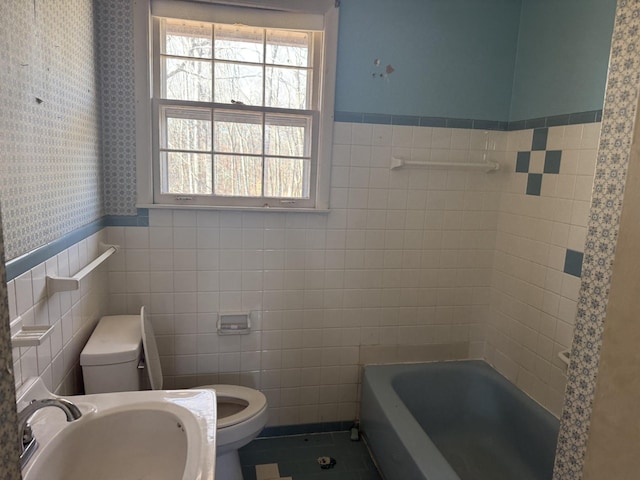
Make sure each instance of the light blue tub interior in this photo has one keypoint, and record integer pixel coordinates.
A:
(455, 421)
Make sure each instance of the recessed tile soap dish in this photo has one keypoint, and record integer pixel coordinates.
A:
(234, 323)
(31, 335)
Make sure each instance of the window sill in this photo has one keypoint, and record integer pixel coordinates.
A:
(160, 206)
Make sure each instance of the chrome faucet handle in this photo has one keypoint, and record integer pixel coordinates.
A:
(26, 440)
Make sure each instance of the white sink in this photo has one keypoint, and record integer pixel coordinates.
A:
(159, 435)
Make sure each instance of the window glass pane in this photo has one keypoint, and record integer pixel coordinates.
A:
(286, 88)
(187, 80)
(188, 173)
(287, 136)
(187, 39)
(288, 48)
(286, 178)
(238, 176)
(238, 132)
(239, 43)
(238, 83)
(187, 129)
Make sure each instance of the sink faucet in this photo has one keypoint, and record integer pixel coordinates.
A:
(27, 442)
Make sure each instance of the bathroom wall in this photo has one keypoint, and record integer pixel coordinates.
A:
(51, 180)
(398, 270)
(563, 49)
(50, 169)
(72, 315)
(541, 231)
(616, 154)
(452, 59)
(611, 448)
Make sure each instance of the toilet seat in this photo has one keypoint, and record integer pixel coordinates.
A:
(255, 401)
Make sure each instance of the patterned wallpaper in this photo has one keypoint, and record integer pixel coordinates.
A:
(606, 206)
(116, 65)
(50, 171)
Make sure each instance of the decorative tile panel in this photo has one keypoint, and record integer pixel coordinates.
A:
(604, 220)
(534, 165)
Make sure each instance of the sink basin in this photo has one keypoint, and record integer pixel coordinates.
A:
(159, 435)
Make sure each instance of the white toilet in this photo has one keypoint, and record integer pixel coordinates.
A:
(110, 363)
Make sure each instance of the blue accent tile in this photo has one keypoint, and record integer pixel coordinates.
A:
(536, 122)
(552, 161)
(459, 123)
(351, 117)
(540, 139)
(534, 184)
(489, 125)
(409, 120)
(433, 122)
(558, 120)
(522, 162)
(583, 117)
(573, 263)
(376, 118)
(122, 221)
(519, 125)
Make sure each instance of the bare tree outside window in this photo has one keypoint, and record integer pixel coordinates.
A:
(238, 123)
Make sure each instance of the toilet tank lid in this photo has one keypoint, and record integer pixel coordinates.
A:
(116, 339)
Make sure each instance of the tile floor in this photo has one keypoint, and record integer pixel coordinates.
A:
(297, 456)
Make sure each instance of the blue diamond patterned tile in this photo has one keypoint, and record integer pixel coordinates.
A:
(573, 263)
(522, 162)
(539, 139)
(552, 161)
(534, 184)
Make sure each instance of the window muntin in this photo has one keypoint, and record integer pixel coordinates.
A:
(238, 114)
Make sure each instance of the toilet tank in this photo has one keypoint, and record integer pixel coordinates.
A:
(110, 358)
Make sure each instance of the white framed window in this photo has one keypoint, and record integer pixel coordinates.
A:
(237, 107)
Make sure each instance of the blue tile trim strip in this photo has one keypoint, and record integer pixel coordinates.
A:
(140, 220)
(305, 429)
(26, 262)
(415, 120)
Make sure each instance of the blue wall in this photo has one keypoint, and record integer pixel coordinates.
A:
(490, 59)
(452, 58)
(563, 54)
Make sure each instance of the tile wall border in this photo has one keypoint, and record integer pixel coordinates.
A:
(26, 262)
(591, 116)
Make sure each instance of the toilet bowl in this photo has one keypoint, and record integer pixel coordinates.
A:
(110, 362)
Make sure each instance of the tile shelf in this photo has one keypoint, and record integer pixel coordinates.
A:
(65, 284)
(31, 335)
